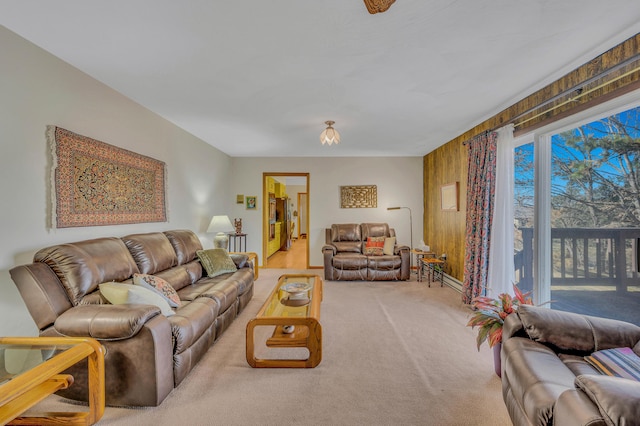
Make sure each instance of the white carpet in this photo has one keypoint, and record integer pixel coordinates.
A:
(394, 353)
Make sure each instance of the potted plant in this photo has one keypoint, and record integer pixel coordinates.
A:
(489, 315)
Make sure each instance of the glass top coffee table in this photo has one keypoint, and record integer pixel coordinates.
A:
(291, 314)
(31, 368)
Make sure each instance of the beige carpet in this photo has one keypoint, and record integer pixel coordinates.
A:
(394, 353)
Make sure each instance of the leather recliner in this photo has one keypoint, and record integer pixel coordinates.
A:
(344, 257)
(547, 381)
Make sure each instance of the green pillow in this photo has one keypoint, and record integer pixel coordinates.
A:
(216, 262)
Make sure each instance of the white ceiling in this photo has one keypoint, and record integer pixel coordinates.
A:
(260, 77)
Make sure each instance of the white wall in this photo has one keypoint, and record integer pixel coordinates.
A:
(398, 180)
(38, 89)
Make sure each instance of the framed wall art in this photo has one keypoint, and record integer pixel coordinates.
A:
(358, 196)
(251, 202)
(449, 197)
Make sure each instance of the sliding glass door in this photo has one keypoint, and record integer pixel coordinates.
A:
(577, 215)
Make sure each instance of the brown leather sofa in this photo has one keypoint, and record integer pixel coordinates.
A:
(147, 353)
(344, 258)
(546, 380)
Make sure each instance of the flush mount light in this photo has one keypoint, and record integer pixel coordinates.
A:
(329, 135)
(377, 6)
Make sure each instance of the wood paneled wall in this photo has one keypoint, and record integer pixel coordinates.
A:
(444, 230)
(611, 74)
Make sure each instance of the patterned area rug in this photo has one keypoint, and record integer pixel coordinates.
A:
(99, 184)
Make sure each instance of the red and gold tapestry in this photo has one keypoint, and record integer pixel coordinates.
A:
(99, 184)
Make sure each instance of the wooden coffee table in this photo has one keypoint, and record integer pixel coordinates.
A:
(282, 310)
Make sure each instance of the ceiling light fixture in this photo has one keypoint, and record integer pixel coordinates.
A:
(329, 135)
(376, 6)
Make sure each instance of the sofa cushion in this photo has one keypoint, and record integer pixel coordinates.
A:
(83, 265)
(375, 230)
(374, 246)
(152, 252)
(185, 243)
(384, 263)
(157, 284)
(191, 321)
(618, 362)
(345, 232)
(119, 294)
(349, 261)
(389, 246)
(216, 262)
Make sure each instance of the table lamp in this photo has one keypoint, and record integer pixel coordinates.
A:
(220, 225)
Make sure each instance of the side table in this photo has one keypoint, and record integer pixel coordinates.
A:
(237, 242)
(420, 254)
(434, 269)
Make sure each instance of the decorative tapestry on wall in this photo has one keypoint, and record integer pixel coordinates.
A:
(358, 196)
(95, 183)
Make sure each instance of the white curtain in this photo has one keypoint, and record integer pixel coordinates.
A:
(501, 275)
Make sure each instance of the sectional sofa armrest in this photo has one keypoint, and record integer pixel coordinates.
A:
(617, 399)
(105, 322)
(399, 250)
(329, 249)
(240, 260)
(512, 327)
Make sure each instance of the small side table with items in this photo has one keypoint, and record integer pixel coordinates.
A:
(428, 264)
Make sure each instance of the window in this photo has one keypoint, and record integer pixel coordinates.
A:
(577, 213)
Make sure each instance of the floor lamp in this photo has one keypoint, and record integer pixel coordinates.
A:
(411, 226)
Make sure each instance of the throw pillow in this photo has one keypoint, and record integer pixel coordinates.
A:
(389, 245)
(374, 246)
(157, 284)
(120, 294)
(216, 262)
(618, 362)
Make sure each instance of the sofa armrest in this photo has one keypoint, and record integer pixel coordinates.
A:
(512, 327)
(240, 260)
(402, 249)
(617, 399)
(329, 249)
(105, 322)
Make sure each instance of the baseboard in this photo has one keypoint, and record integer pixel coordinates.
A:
(453, 283)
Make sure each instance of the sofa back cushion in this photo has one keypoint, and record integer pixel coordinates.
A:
(83, 265)
(574, 332)
(375, 230)
(152, 252)
(185, 243)
(347, 237)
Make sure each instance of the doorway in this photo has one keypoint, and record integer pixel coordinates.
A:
(285, 220)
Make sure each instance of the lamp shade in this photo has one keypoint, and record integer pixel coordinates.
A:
(220, 225)
(329, 135)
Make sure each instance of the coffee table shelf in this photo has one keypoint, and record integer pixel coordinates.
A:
(277, 313)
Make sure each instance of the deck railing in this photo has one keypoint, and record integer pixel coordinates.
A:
(584, 256)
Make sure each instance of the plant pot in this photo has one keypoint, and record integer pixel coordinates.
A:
(497, 361)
